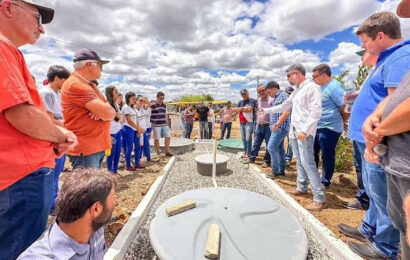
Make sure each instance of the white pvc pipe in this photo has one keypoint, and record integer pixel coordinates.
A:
(214, 164)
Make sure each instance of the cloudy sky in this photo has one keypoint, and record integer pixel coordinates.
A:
(212, 47)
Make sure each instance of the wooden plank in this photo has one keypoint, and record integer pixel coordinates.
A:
(212, 242)
(181, 207)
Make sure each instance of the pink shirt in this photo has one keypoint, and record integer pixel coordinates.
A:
(226, 114)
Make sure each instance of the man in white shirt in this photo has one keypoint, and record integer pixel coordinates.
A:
(306, 105)
(51, 96)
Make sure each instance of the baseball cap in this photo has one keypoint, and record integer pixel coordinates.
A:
(45, 82)
(244, 90)
(47, 14)
(403, 10)
(360, 53)
(88, 54)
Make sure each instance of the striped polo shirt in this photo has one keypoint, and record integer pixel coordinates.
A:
(158, 115)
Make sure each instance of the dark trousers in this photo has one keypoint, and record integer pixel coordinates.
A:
(361, 195)
(58, 169)
(397, 190)
(188, 130)
(225, 126)
(132, 142)
(24, 208)
(146, 150)
(114, 158)
(210, 132)
(326, 141)
(262, 132)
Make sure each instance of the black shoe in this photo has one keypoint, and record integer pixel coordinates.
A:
(352, 232)
(366, 251)
(271, 176)
(352, 205)
(280, 174)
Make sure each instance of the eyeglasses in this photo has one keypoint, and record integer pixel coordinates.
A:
(244, 93)
(36, 15)
(290, 74)
(99, 64)
(261, 91)
(315, 76)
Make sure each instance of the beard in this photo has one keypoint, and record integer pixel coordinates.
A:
(102, 219)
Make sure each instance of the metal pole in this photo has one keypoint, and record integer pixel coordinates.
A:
(214, 164)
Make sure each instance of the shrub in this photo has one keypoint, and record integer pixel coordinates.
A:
(344, 155)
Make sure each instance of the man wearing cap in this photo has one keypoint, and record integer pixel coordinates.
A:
(380, 35)
(306, 104)
(246, 110)
(394, 114)
(86, 111)
(30, 140)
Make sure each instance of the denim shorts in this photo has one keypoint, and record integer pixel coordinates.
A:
(161, 131)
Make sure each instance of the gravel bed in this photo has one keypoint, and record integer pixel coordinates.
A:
(183, 177)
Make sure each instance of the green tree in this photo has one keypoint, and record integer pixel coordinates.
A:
(195, 98)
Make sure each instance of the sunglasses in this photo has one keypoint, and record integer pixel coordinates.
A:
(36, 15)
(290, 74)
(99, 64)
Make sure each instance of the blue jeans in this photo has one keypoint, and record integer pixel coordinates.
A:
(210, 132)
(246, 134)
(377, 225)
(326, 141)
(132, 141)
(225, 126)
(262, 133)
(276, 150)
(24, 208)
(114, 158)
(89, 161)
(146, 149)
(306, 167)
(203, 130)
(361, 195)
(188, 130)
(58, 169)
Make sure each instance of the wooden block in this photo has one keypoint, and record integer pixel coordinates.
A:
(212, 242)
(181, 207)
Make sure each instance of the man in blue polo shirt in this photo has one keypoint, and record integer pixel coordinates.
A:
(331, 123)
(380, 35)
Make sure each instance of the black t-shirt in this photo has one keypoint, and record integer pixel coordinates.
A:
(203, 113)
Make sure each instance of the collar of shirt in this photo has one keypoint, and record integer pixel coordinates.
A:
(277, 94)
(63, 245)
(384, 54)
(4, 39)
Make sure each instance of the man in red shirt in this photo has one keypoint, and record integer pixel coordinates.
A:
(30, 140)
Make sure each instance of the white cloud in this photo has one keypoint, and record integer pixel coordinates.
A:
(345, 55)
(186, 47)
(295, 20)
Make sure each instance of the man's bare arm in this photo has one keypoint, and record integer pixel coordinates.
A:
(34, 123)
(101, 109)
(397, 122)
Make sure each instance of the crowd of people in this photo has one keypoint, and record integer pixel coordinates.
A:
(70, 118)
